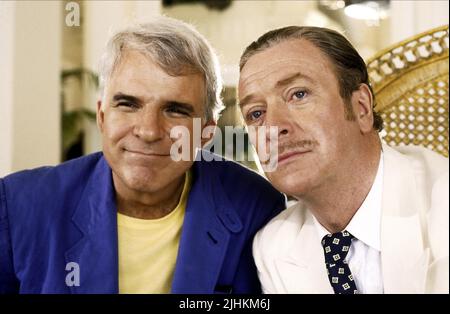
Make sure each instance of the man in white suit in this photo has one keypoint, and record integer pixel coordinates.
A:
(369, 218)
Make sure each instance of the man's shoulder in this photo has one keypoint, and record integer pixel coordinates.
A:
(418, 152)
(423, 160)
(69, 168)
(278, 235)
(235, 176)
(246, 192)
(50, 178)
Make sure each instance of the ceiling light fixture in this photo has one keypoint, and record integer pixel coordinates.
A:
(366, 10)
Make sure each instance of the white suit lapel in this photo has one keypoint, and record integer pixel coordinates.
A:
(302, 269)
(404, 260)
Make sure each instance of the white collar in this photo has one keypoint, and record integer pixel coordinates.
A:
(366, 223)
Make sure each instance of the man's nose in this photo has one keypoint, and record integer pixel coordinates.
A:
(277, 115)
(149, 126)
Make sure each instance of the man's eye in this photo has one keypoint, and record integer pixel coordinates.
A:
(254, 115)
(126, 104)
(299, 95)
(177, 111)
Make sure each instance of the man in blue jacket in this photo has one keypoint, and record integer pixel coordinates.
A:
(132, 219)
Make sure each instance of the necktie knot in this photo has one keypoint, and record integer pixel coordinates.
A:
(336, 246)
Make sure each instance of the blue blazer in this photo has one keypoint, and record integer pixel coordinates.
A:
(52, 216)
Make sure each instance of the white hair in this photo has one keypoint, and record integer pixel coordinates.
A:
(176, 47)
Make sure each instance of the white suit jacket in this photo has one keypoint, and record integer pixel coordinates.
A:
(414, 233)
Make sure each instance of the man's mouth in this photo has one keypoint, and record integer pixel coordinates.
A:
(145, 153)
(288, 152)
(289, 155)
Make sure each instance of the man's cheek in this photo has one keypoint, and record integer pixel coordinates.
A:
(115, 130)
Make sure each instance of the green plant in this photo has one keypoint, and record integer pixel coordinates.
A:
(72, 120)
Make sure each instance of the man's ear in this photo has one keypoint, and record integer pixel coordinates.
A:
(362, 102)
(208, 131)
(100, 116)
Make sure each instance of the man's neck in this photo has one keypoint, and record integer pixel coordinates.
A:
(335, 203)
(148, 205)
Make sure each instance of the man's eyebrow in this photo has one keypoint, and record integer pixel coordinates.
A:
(121, 96)
(247, 99)
(292, 78)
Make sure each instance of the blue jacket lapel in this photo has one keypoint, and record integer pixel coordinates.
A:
(96, 252)
(208, 224)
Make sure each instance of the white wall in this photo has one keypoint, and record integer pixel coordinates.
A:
(411, 17)
(29, 84)
(7, 23)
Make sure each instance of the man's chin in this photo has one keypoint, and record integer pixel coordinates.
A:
(140, 179)
(142, 185)
(292, 183)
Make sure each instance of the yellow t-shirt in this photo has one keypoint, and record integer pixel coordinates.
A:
(148, 249)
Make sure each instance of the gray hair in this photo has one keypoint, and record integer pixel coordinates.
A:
(177, 47)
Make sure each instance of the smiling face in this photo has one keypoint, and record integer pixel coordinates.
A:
(141, 105)
(292, 85)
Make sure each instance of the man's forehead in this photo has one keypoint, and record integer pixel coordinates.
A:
(129, 58)
(288, 48)
(137, 61)
(282, 61)
(292, 49)
(274, 70)
(137, 66)
(147, 84)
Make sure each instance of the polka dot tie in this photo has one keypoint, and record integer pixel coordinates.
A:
(335, 248)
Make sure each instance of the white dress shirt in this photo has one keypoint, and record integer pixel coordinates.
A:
(364, 256)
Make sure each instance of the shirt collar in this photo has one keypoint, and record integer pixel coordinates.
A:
(366, 223)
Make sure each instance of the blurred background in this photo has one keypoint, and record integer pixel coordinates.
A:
(49, 52)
